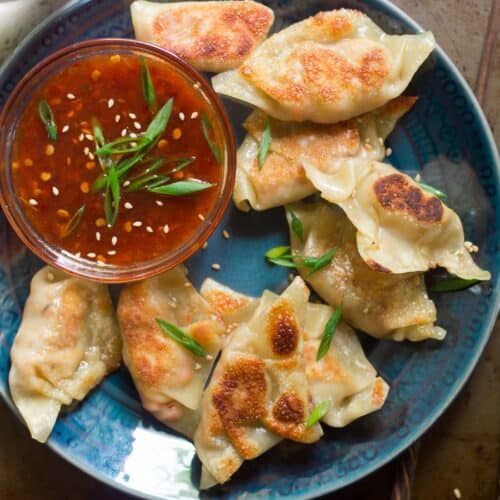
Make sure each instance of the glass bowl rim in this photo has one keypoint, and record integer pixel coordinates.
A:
(149, 267)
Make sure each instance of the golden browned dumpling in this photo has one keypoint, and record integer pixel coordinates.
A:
(168, 376)
(212, 36)
(282, 178)
(327, 68)
(67, 343)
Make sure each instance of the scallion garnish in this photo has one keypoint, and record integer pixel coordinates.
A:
(318, 413)
(112, 196)
(208, 130)
(181, 337)
(297, 227)
(452, 284)
(73, 222)
(281, 256)
(430, 189)
(330, 328)
(265, 141)
(181, 188)
(47, 117)
(97, 131)
(147, 86)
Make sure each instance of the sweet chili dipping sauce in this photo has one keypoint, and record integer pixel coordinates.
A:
(135, 213)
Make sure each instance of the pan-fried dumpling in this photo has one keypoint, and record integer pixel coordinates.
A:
(401, 228)
(385, 305)
(344, 376)
(258, 393)
(282, 179)
(328, 68)
(169, 378)
(67, 343)
(212, 36)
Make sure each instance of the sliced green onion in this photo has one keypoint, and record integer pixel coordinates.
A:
(147, 86)
(47, 117)
(276, 252)
(97, 131)
(281, 257)
(181, 337)
(452, 284)
(330, 328)
(208, 130)
(430, 189)
(181, 188)
(265, 141)
(318, 413)
(159, 123)
(73, 222)
(297, 227)
(112, 196)
(317, 263)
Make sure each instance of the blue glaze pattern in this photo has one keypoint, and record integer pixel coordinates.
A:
(445, 138)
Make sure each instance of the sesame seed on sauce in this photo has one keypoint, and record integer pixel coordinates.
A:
(65, 129)
(182, 116)
(78, 255)
(201, 217)
(133, 135)
(197, 85)
(166, 228)
(89, 137)
(123, 133)
(159, 203)
(70, 96)
(128, 205)
(86, 150)
(194, 115)
(215, 267)
(117, 118)
(55, 191)
(33, 202)
(111, 103)
(137, 223)
(111, 252)
(98, 236)
(114, 240)
(132, 116)
(126, 184)
(91, 156)
(137, 125)
(92, 255)
(81, 137)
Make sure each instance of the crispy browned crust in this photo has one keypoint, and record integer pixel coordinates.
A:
(282, 329)
(396, 194)
(225, 303)
(289, 408)
(236, 28)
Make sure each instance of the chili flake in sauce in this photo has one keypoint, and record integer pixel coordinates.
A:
(69, 185)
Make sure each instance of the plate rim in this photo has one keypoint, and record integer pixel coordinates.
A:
(426, 423)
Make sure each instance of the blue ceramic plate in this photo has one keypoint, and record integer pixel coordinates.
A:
(445, 137)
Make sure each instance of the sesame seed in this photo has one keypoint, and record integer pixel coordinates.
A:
(205, 245)
(124, 132)
(111, 103)
(98, 236)
(55, 191)
(291, 276)
(33, 202)
(149, 229)
(197, 366)
(137, 125)
(91, 156)
(182, 116)
(194, 115)
(137, 223)
(65, 129)
(132, 116)
(100, 262)
(209, 357)
(187, 284)
(128, 205)
(457, 493)
(86, 150)
(92, 255)
(225, 233)
(381, 141)
(201, 217)
(133, 144)
(49, 149)
(70, 96)
(117, 118)
(126, 183)
(166, 228)
(78, 255)
(159, 203)
(197, 85)
(81, 137)
(111, 252)
(114, 240)
(368, 146)
(89, 137)
(417, 178)
(388, 152)
(133, 135)
(215, 267)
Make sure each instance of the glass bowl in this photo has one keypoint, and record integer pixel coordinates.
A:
(15, 210)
